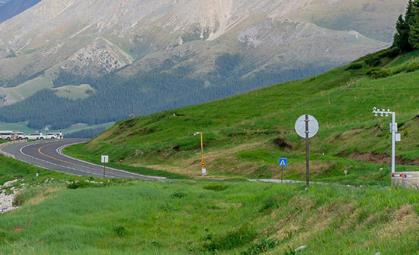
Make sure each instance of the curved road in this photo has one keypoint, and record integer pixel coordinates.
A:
(48, 155)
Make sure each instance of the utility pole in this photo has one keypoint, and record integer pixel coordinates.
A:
(203, 164)
(395, 137)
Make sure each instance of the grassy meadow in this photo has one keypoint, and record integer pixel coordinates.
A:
(203, 217)
(246, 134)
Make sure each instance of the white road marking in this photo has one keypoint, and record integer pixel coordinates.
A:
(59, 150)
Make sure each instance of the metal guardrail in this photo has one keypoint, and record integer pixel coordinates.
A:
(405, 179)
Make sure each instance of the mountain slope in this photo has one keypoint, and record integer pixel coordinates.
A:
(145, 56)
(11, 8)
(246, 134)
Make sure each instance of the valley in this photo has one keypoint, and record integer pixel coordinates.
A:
(141, 56)
(357, 212)
(180, 134)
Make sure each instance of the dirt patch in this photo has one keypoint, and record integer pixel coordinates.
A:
(379, 158)
(281, 143)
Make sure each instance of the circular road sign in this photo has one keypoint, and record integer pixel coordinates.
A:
(300, 126)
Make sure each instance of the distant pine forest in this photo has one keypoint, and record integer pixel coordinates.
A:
(117, 98)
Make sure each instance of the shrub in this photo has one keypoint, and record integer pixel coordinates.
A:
(377, 73)
(381, 57)
(413, 66)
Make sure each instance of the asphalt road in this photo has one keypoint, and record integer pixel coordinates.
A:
(48, 155)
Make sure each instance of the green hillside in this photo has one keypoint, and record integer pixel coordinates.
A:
(213, 218)
(244, 135)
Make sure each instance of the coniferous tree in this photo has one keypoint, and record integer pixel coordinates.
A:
(401, 39)
(410, 12)
(414, 25)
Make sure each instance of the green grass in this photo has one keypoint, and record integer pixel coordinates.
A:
(199, 218)
(244, 137)
(240, 132)
(11, 169)
(77, 151)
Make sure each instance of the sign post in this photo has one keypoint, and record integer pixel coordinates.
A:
(104, 160)
(283, 163)
(203, 165)
(395, 136)
(307, 127)
(306, 121)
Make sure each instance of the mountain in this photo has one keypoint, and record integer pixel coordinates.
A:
(134, 57)
(245, 135)
(11, 8)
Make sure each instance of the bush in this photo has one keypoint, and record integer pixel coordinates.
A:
(377, 73)
(381, 57)
(413, 66)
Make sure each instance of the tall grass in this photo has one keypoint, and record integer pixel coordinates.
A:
(244, 218)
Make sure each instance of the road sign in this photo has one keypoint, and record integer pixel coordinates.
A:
(283, 162)
(307, 127)
(398, 137)
(104, 159)
(300, 126)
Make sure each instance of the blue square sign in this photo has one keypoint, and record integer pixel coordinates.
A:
(283, 162)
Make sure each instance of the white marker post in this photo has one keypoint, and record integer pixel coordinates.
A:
(104, 159)
(395, 137)
(307, 127)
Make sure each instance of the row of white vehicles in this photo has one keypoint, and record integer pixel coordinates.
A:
(15, 136)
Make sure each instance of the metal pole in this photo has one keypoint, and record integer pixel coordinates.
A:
(203, 167)
(202, 147)
(104, 171)
(307, 153)
(282, 174)
(393, 142)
